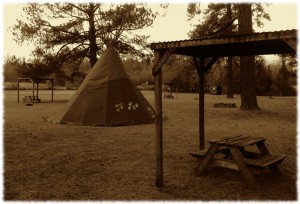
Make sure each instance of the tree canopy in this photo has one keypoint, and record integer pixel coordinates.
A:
(70, 31)
(40, 66)
(218, 17)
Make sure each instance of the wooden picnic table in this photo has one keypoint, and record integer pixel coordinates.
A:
(235, 156)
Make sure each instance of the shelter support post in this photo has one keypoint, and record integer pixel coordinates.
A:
(37, 90)
(201, 105)
(32, 91)
(52, 90)
(18, 88)
(160, 57)
(158, 122)
(202, 69)
(201, 73)
(292, 43)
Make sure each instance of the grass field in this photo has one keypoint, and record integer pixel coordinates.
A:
(44, 161)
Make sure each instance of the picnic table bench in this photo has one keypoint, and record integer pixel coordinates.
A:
(31, 99)
(235, 156)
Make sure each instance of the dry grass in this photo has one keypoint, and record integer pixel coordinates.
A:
(44, 161)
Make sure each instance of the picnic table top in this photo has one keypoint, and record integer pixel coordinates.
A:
(237, 141)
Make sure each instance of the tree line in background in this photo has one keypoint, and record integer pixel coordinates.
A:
(67, 51)
(276, 78)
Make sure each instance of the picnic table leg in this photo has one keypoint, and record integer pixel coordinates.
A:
(262, 147)
(207, 158)
(264, 150)
(275, 170)
(238, 158)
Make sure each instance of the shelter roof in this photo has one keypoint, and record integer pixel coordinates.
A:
(277, 42)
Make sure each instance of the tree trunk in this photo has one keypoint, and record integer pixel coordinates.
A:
(229, 78)
(247, 63)
(229, 59)
(92, 36)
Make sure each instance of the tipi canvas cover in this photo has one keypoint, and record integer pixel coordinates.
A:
(106, 97)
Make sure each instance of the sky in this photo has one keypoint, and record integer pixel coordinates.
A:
(173, 26)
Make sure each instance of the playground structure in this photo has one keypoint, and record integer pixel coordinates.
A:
(33, 98)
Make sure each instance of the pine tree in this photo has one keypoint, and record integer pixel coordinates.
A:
(74, 31)
(218, 20)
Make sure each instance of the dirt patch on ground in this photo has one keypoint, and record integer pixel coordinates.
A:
(44, 161)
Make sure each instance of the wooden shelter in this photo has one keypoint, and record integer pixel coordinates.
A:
(210, 50)
(34, 81)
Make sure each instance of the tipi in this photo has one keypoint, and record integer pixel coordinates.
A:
(106, 97)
